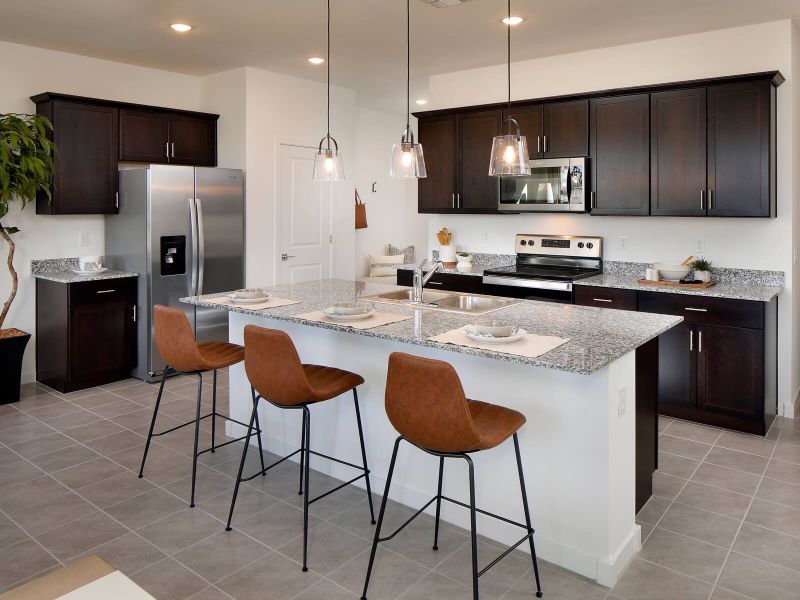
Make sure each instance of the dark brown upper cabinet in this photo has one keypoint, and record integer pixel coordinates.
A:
(477, 191)
(439, 137)
(531, 125)
(566, 129)
(741, 150)
(620, 155)
(87, 142)
(92, 136)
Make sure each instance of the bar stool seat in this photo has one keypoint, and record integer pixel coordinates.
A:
(494, 424)
(218, 355)
(329, 382)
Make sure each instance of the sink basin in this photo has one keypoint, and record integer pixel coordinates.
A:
(450, 301)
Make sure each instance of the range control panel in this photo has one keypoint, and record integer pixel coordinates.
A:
(559, 245)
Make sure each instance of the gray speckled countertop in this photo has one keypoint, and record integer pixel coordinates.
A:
(723, 289)
(70, 277)
(598, 336)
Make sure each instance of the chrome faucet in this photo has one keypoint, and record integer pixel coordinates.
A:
(420, 279)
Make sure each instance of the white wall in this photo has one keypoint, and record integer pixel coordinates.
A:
(392, 210)
(747, 243)
(27, 71)
(795, 167)
(225, 94)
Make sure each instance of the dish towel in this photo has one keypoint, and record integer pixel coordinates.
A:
(530, 345)
(269, 303)
(376, 320)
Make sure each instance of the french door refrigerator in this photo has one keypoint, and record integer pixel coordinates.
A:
(182, 230)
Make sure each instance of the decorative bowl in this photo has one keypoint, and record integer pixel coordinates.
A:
(249, 294)
(494, 327)
(351, 308)
(672, 271)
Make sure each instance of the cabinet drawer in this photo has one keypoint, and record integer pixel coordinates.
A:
(105, 290)
(450, 282)
(700, 309)
(605, 297)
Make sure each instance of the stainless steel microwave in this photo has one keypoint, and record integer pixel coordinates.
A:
(554, 185)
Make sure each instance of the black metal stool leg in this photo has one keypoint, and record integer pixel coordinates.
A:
(380, 517)
(438, 504)
(214, 415)
(258, 432)
(473, 528)
(364, 456)
(527, 517)
(302, 453)
(153, 421)
(307, 444)
(196, 434)
(241, 463)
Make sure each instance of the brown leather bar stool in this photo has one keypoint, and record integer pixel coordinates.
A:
(277, 375)
(426, 404)
(182, 354)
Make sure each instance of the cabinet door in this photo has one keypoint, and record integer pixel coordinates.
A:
(479, 192)
(739, 133)
(85, 179)
(530, 123)
(730, 371)
(566, 129)
(193, 141)
(678, 152)
(677, 366)
(436, 192)
(620, 155)
(143, 136)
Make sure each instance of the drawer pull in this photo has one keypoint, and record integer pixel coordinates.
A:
(699, 341)
(434, 283)
(602, 300)
(696, 309)
(691, 341)
(106, 291)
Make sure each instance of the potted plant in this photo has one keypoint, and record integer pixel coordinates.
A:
(26, 168)
(702, 269)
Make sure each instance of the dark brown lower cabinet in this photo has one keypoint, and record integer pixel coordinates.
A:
(450, 282)
(85, 332)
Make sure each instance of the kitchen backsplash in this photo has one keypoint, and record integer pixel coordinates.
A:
(486, 260)
(48, 265)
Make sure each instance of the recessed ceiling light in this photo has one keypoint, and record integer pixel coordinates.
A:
(182, 27)
(421, 101)
(316, 60)
(513, 20)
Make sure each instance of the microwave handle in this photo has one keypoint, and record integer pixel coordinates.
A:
(565, 185)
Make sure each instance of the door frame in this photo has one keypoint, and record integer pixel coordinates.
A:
(280, 144)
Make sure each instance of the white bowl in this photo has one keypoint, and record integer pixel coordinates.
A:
(249, 294)
(671, 271)
(350, 308)
(494, 327)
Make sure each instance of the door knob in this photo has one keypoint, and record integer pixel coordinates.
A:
(285, 256)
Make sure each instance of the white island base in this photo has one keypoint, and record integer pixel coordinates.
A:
(578, 445)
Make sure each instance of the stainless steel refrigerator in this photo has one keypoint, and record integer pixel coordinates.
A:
(182, 230)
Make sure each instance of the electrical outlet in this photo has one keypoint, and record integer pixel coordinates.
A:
(794, 255)
(83, 238)
(485, 237)
(700, 246)
(623, 401)
(623, 242)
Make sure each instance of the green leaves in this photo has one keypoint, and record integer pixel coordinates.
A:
(26, 158)
(10, 230)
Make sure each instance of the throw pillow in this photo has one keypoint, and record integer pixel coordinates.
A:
(407, 252)
(380, 266)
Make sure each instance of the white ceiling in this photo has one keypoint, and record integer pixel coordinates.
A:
(368, 35)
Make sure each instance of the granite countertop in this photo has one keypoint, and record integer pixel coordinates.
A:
(598, 336)
(70, 277)
(480, 262)
(723, 289)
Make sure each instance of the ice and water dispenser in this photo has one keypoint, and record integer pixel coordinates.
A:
(173, 255)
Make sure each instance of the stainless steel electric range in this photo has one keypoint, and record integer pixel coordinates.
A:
(546, 267)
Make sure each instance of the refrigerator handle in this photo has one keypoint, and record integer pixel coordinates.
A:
(201, 243)
(193, 226)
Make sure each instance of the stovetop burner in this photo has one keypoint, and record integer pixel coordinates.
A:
(544, 272)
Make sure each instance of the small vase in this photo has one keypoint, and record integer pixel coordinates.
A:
(704, 276)
(447, 253)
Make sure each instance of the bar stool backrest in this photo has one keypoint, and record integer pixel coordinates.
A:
(425, 402)
(175, 339)
(273, 366)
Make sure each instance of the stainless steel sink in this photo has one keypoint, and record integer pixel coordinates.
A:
(449, 301)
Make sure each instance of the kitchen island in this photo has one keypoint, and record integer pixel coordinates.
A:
(589, 404)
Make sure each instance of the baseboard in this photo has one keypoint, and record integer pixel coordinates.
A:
(28, 376)
(609, 570)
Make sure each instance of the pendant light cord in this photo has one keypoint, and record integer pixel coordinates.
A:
(508, 62)
(408, 69)
(329, 75)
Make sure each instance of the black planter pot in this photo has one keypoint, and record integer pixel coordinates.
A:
(11, 352)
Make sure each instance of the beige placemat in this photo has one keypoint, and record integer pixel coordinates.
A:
(270, 303)
(530, 346)
(376, 320)
(56, 584)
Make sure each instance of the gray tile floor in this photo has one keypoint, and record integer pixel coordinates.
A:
(724, 522)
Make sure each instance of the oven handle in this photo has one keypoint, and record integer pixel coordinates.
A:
(535, 284)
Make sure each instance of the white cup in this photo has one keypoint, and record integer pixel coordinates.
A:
(651, 274)
(90, 263)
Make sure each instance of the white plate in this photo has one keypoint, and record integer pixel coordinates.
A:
(488, 339)
(236, 300)
(336, 317)
(90, 271)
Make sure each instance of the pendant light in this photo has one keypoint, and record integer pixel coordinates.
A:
(328, 161)
(509, 151)
(408, 162)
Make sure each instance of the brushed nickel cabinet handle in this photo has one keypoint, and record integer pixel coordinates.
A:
(116, 199)
(710, 199)
(545, 143)
(453, 196)
(691, 341)
(702, 199)
(173, 150)
(593, 199)
(699, 341)
(106, 291)
(602, 300)
(435, 283)
(166, 149)
(539, 144)
(696, 309)
(134, 313)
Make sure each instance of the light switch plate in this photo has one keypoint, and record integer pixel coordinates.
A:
(83, 238)
(623, 242)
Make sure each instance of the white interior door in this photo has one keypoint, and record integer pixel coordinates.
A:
(304, 219)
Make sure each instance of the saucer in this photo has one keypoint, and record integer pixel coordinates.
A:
(490, 339)
(328, 312)
(89, 271)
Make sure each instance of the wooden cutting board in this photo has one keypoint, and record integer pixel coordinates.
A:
(678, 284)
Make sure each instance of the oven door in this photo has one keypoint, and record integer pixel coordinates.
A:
(554, 185)
(543, 290)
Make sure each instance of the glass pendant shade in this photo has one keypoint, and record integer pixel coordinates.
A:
(509, 156)
(408, 161)
(328, 162)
